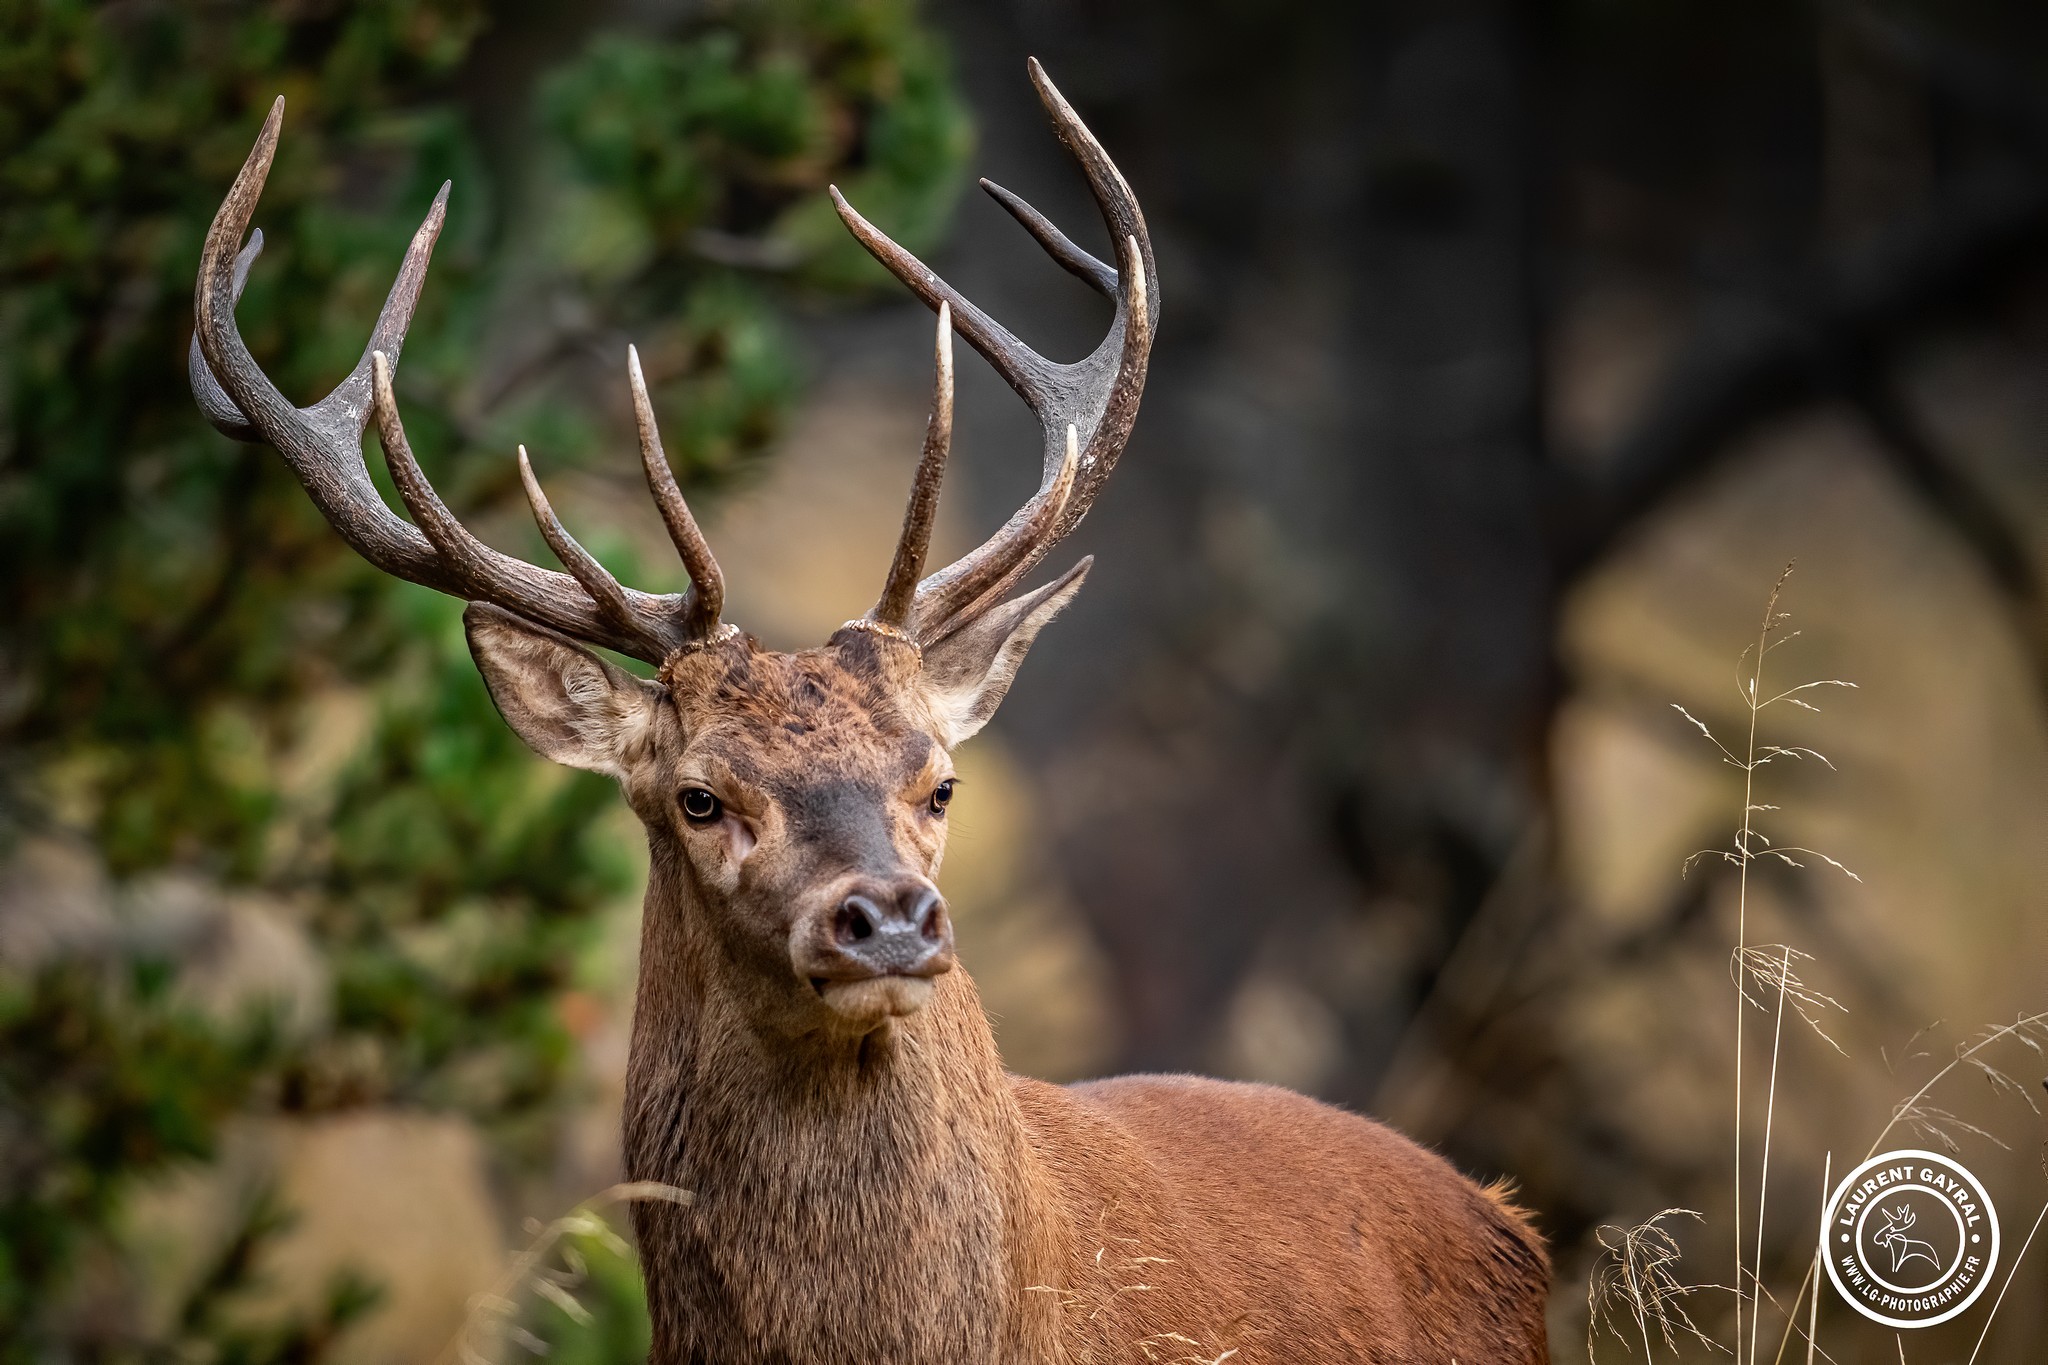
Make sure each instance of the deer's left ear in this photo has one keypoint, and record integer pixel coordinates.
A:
(565, 702)
(966, 676)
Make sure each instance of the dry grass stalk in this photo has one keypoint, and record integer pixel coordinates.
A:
(1769, 968)
(1791, 1314)
(1763, 1192)
(1827, 1183)
(1189, 1350)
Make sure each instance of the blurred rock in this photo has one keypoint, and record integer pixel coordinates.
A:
(401, 1200)
(234, 951)
(55, 904)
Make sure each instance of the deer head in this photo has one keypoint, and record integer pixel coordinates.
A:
(801, 798)
(1896, 1221)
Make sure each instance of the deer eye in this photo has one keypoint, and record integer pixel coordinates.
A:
(700, 807)
(942, 795)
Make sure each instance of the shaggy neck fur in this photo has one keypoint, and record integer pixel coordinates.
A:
(852, 1200)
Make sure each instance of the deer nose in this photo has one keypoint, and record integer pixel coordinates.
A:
(899, 930)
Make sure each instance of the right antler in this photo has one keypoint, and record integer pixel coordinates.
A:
(323, 445)
(1086, 408)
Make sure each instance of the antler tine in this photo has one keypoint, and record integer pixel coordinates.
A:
(1137, 316)
(477, 571)
(461, 554)
(1057, 244)
(1097, 396)
(214, 404)
(1024, 369)
(1130, 337)
(323, 443)
(1119, 206)
(899, 593)
(707, 582)
(597, 580)
(222, 270)
(942, 607)
(347, 400)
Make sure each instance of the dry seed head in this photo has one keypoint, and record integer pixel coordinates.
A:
(1633, 1281)
(1767, 970)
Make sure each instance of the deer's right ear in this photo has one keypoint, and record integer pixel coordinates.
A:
(565, 702)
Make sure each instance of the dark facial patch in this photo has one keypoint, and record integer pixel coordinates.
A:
(844, 823)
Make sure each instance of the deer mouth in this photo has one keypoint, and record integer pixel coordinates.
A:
(875, 999)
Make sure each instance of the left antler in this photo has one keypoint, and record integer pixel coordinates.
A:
(323, 446)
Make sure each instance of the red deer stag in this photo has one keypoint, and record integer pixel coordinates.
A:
(866, 1184)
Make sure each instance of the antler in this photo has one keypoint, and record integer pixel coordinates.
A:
(1086, 408)
(323, 446)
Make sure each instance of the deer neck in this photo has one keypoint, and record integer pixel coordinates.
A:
(878, 1191)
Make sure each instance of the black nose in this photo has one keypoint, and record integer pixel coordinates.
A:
(901, 930)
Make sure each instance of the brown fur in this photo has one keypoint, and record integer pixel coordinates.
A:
(883, 1191)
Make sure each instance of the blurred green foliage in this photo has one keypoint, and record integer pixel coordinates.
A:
(196, 675)
(585, 1305)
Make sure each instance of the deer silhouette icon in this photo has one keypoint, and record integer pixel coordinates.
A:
(1892, 1237)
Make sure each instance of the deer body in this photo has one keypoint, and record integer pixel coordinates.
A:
(860, 1182)
(890, 1194)
(902, 1199)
